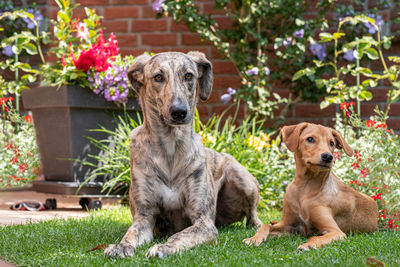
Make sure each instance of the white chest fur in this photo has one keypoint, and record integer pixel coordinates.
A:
(170, 197)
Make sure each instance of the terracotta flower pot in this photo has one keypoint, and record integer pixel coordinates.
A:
(63, 118)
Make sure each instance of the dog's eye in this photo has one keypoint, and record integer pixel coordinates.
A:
(188, 76)
(310, 140)
(332, 143)
(159, 78)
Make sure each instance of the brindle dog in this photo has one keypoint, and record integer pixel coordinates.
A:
(178, 187)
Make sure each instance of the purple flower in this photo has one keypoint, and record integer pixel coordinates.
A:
(231, 91)
(319, 50)
(267, 71)
(225, 98)
(299, 33)
(284, 183)
(349, 55)
(287, 41)
(157, 5)
(378, 22)
(37, 16)
(7, 51)
(253, 71)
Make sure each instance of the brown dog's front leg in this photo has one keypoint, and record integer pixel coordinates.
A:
(201, 232)
(322, 219)
(141, 231)
(266, 230)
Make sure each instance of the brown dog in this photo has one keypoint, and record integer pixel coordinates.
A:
(317, 201)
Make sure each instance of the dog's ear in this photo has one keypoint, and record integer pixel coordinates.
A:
(136, 72)
(290, 135)
(205, 73)
(341, 143)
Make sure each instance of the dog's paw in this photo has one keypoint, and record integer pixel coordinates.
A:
(160, 251)
(306, 247)
(119, 250)
(255, 240)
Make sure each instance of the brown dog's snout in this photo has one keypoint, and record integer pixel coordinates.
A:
(326, 157)
(178, 112)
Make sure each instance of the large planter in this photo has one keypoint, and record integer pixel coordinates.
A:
(63, 118)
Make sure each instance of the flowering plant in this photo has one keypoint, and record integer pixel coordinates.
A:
(375, 166)
(19, 158)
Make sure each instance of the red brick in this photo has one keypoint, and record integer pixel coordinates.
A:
(186, 50)
(148, 12)
(134, 52)
(224, 22)
(307, 110)
(394, 109)
(163, 39)
(224, 67)
(115, 26)
(393, 123)
(216, 54)
(203, 110)
(92, 2)
(178, 27)
(193, 39)
(209, 9)
(130, 2)
(121, 12)
(229, 112)
(127, 40)
(223, 82)
(379, 95)
(149, 25)
(367, 109)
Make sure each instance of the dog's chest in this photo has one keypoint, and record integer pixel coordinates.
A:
(170, 197)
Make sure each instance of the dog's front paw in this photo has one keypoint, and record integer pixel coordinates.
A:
(160, 251)
(255, 240)
(122, 250)
(306, 247)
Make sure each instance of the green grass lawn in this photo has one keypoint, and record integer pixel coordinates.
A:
(66, 242)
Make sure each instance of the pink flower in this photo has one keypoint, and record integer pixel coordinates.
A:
(82, 31)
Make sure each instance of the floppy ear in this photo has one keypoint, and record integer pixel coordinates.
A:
(205, 73)
(341, 143)
(136, 72)
(290, 135)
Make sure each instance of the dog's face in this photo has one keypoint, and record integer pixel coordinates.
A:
(314, 144)
(168, 84)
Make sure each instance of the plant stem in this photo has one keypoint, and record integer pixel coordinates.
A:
(16, 73)
(38, 44)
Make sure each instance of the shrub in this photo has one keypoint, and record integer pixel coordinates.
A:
(19, 156)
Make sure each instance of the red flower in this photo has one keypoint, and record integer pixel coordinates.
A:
(354, 182)
(85, 61)
(364, 172)
(357, 154)
(346, 105)
(370, 123)
(380, 125)
(14, 160)
(23, 167)
(336, 156)
(355, 165)
(376, 197)
(28, 118)
(63, 62)
(9, 146)
(391, 225)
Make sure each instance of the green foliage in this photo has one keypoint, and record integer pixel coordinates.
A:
(19, 155)
(66, 242)
(259, 29)
(113, 159)
(375, 167)
(23, 43)
(366, 48)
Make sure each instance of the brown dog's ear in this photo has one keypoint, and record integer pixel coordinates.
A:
(136, 72)
(290, 135)
(341, 143)
(205, 73)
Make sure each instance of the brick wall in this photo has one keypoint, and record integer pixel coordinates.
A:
(137, 30)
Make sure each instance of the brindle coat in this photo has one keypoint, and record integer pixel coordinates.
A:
(178, 187)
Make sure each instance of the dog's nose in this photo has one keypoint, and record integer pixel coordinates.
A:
(178, 112)
(326, 157)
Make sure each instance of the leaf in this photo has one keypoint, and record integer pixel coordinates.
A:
(102, 246)
(324, 104)
(372, 53)
(325, 36)
(320, 83)
(338, 35)
(367, 95)
(30, 48)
